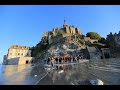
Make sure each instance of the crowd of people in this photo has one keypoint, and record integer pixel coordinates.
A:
(62, 60)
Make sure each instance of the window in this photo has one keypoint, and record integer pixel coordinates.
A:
(18, 53)
(27, 54)
(22, 54)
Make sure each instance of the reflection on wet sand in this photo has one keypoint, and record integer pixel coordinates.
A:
(65, 74)
(60, 75)
(14, 74)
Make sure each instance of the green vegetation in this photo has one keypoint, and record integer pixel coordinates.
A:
(99, 45)
(59, 32)
(78, 36)
(40, 47)
(93, 35)
(102, 40)
(81, 41)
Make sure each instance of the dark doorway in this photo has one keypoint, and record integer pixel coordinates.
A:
(27, 62)
(32, 61)
(101, 57)
(106, 55)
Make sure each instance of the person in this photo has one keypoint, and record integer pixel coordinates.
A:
(70, 59)
(52, 61)
(44, 61)
(63, 60)
(48, 61)
(60, 59)
(56, 59)
(73, 59)
(77, 58)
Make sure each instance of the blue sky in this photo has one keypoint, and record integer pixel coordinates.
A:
(25, 24)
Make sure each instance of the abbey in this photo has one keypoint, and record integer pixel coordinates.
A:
(65, 31)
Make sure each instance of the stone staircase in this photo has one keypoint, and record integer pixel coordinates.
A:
(94, 53)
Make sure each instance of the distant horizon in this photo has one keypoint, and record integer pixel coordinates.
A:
(25, 24)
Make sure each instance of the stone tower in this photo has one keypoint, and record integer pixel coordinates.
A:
(65, 24)
(66, 27)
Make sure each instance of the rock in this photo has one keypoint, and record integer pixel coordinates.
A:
(61, 71)
(96, 82)
(35, 75)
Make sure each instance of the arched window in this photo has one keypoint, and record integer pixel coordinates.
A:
(22, 54)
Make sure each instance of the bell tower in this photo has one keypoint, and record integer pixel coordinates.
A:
(65, 23)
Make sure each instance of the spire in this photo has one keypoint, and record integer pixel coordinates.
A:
(64, 20)
(65, 24)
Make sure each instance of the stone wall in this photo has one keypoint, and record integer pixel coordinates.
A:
(105, 53)
(13, 61)
(93, 40)
(72, 30)
(24, 60)
(19, 60)
(94, 53)
(87, 38)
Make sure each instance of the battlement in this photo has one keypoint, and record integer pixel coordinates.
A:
(19, 47)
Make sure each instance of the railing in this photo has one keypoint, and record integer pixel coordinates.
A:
(65, 61)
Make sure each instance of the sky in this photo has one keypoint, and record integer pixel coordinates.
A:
(25, 24)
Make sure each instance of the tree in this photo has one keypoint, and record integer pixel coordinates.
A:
(78, 36)
(83, 36)
(93, 35)
(102, 40)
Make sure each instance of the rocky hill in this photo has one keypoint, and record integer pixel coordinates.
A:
(65, 41)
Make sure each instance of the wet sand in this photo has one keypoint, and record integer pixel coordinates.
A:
(65, 75)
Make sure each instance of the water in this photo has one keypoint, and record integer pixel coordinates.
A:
(62, 75)
(20, 74)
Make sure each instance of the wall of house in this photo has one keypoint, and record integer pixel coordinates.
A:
(12, 53)
(23, 60)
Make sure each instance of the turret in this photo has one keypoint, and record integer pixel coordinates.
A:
(65, 24)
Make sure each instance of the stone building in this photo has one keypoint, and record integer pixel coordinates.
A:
(113, 41)
(110, 40)
(117, 38)
(114, 38)
(5, 59)
(93, 52)
(18, 55)
(90, 40)
(105, 52)
(18, 51)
